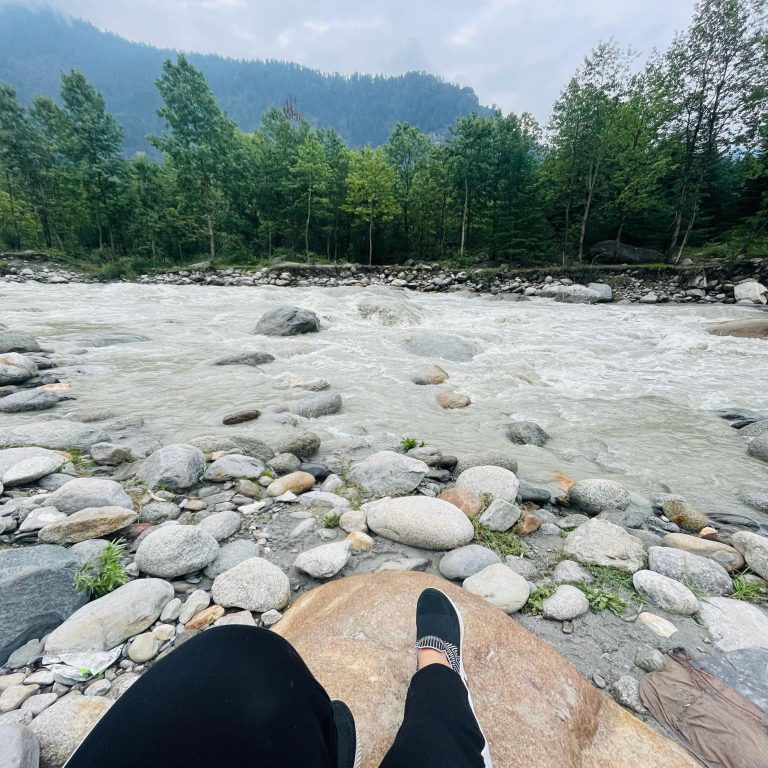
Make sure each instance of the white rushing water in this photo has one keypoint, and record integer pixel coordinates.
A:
(627, 392)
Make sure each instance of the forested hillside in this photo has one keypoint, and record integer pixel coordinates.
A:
(37, 46)
(671, 156)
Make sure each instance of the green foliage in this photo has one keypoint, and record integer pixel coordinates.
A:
(749, 592)
(537, 598)
(501, 542)
(331, 520)
(409, 443)
(104, 573)
(610, 578)
(601, 599)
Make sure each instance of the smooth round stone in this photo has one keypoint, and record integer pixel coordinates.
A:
(284, 463)
(32, 469)
(296, 482)
(301, 444)
(594, 496)
(526, 433)
(452, 400)
(176, 550)
(467, 501)
(232, 467)
(388, 473)
(325, 561)
(175, 466)
(599, 542)
(143, 647)
(253, 585)
(466, 561)
(665, 593)
(500, 586)
(432, 374)
(685, 515)
(754, 548)
(319, 404)
(565, 604)
(570, 572)
(758, 448)
(221, 525)
(700, 573)
(731, 559)
(87, 493)
(496, 482)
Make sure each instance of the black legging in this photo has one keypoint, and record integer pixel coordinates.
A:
(241, 696)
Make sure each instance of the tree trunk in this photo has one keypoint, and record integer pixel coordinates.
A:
(370, 241)
(689, 228)
(464, 217)
(211, 240)
(13, 212)
(306, 224)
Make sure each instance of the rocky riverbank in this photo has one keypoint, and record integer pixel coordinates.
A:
(726, 283)
(227, 528)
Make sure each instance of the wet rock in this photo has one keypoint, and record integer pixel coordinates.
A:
(246, 358)
(29, 400)
(253, 585)
(751, 290)
(755, 497)
(755, 429)
(744, 671)
(452, 400)
(176, 467)
(697, 572)
(230, 555)
(746, 329)
(685, 515)
(594, 496)
(110, 620)
(730, 558)
(466, 561)
(287, 321)
(467, 501)
(432, 374)
(17, 341)
(87, 524)
(758, 448)
(599, 542)
(325, 561)
(109, 454)
(301, 444)
(296, 482)
(570, 572)
(500, 515)
(754, 548)
(176, 550)
(55, 434)
(346, 623)
(31, 469)
(665, 593)
(526, 433)
(734, 624)
(16, 368)
(420, 521)
(387, 473)
(87, 493)
(221, 525)
(444, 346)
(485, 459)
(528, 492)
(565, 604)
(36, 593)
(494, 482)
(320, 404)
(500, 586)
(63, 726)
(240, 417)
(284, 463)
(232, 467)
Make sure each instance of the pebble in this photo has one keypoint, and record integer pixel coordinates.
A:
(649, 659)
(570, 572)
(244, 618)
(171, 610)
(665, 593)
(143, 647)
(500, 515)
(98, 688)
(196, 602)
(205, 618)
(270, 618)
(361, 542)
(657, 624)
(325, 561)
(463, 562)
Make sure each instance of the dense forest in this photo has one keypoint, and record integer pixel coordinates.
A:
(37, 45)
(672, 155)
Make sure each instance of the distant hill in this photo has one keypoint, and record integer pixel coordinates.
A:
(37, 45)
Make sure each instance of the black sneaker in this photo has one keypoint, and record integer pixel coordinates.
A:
(350, 755)
(439, 626)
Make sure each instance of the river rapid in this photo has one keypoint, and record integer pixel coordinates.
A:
(627, 392)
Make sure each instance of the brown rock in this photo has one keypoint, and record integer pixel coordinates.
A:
(89, 523)
(452, 400)
(296, 482)
(685, 515)
(205, 618)
(357, 635)
(731, 559)
(467, 501)
(238, 417)
(433, 374)
(746, 329)
(527, 525)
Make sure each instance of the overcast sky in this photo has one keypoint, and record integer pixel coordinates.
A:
(516, 54)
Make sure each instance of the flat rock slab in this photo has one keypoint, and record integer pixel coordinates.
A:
(357, 635)
(733, 624)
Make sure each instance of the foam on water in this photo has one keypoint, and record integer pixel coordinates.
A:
(626, 391)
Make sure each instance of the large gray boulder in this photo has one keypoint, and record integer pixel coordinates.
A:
(576, 294)
(17, 341)
(16, 368)
(320, 404)
(494, 482)
(466, 561)
(444, 346)
(595, 496)
(110, 620)
(36, 593)
(176, 550)
(526, 433)
(665, 593)
(232, 467)
(486, 459)
(755, 550)
(759, 447)
(87, 524)
(246, 358)
(177, 467)
(31, 469)
(734, 624)
(420, 521)
(755, 429)
(302, 444)
(598, 542)
(10, 457)
(287, 321)
(751, 290)
(19, 747)
(253, 585)
(29, 400)
(387, 473)
(699, 573)
(88, 492)
(57, 434)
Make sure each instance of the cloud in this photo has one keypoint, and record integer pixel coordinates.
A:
(517, 54)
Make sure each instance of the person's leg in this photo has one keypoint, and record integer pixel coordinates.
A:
(231, 696)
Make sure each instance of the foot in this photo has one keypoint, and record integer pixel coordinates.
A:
(439, 631)
(350, 755)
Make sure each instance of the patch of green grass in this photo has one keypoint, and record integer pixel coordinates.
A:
(332, 520)
(538, 596)
(501, 542)
(748, 591)
(610, 578)
(601, 599)
(104, 573)
(409, 443)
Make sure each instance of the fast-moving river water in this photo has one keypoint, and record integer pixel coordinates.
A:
(627, 392)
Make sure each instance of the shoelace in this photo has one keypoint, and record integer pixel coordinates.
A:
(450, 651)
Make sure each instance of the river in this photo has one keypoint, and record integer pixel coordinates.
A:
(626, 392)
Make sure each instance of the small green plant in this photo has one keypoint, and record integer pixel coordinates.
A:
(601, 599)
(610, 578)
(104, 573)
(501, 542)
(537, 598)
(409, 443)
(748, 591)
(332, 520)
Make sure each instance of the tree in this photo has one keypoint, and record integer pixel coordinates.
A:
(312, 177)
(371, 190)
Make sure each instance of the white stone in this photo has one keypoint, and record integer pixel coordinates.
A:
(500, 586)
(325, 561)
(496, 482)
(254, 585)
(565, 603)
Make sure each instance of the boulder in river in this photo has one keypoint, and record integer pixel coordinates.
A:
(745, 329)
(754, 496)
(755, 550)
(16, 368)
(759, 447)
(685, 515)
(252, 358)
(87, 492)
(751, 290)
(432, 374)
(56, 434)
(387, 473)
(177, 467)
(302, 444)
(29, 400)
(576, 294)
(526, 433)
(444, 346)
(452, 400)
(287, 321)
(364, 625)
(17, 341)
(594, 496)
(494, 482)
(319, 404)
